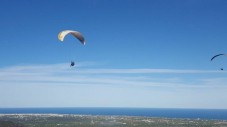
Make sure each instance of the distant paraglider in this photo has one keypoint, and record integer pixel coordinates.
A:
(217, 56)
(76, 34)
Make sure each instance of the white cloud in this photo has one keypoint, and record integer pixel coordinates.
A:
(62, 73)
(58, 84)
(147, 71)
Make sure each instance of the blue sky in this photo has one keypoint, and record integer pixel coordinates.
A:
(149, 53)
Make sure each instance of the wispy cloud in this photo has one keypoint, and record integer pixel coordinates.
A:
(63, 67)
(63, 74)
(146, 71)
(58, 85)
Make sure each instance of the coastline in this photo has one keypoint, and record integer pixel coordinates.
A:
(218, 114)
(71, 120)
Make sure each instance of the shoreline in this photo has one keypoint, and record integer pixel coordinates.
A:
(211, 114)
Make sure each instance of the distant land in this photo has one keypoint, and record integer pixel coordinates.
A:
(69, 120)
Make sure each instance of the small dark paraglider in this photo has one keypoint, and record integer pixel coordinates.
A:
(72, 64)
(218, 56)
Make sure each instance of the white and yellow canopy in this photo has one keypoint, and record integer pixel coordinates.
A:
(76, 34)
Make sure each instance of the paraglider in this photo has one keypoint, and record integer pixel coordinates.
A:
(217, 56)
(76, 34)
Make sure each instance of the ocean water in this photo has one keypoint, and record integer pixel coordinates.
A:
(220, 114)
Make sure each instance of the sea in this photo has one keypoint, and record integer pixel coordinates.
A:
(215, 114)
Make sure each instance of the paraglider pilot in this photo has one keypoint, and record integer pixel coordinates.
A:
(72, 63)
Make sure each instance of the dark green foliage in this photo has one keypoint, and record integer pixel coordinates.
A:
(10, 124)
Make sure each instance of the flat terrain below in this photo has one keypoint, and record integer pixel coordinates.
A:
(65, 120)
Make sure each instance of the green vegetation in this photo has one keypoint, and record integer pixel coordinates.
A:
(10, 124)
(55, 120)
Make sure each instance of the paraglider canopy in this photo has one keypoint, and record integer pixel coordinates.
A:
(214, 57)
(217, 56)
(76, 34)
